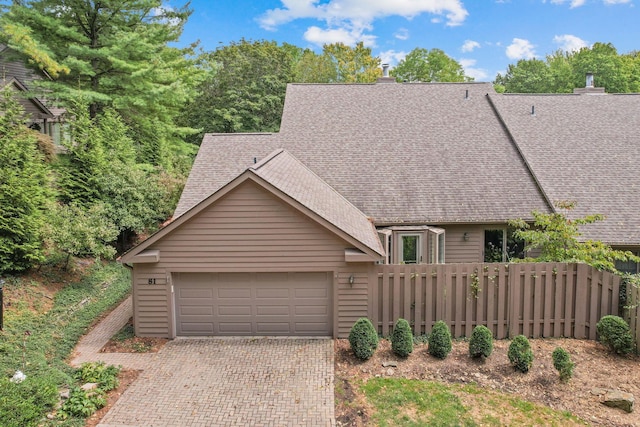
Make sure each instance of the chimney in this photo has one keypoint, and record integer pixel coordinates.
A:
(589, 87)
(385, 75)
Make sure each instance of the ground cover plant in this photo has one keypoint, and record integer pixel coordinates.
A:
(43, 320)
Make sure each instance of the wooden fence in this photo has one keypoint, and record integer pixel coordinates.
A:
(533, 299)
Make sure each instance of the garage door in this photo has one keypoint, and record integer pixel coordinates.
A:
(253, 303)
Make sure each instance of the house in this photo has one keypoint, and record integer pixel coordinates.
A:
(42, 114)
(279, 234)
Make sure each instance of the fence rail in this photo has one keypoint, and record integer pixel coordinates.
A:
(533, 299)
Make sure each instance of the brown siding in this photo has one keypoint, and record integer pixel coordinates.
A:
(459, 250)
(247, 230)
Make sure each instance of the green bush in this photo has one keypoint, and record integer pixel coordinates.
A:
(563, 364)
(520, 354)
(26, 403)
(97, 372)
(440, 340)
(402, 338)
(481, 343)
(82, 403)
(614, 332)
(363, 338)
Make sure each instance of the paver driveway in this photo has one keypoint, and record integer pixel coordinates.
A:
(221, 382)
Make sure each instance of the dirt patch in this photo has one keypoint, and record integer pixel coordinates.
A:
(125, 378)
(125, 342)
(595, 367)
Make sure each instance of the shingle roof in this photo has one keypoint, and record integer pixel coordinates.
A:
(584, 148)
(401, 153)
(294, 179)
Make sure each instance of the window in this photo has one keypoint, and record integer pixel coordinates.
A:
(385, 239)
(436, 246)
(500, 245)
(628, 266)
(409, 251)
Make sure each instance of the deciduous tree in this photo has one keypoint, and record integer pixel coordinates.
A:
(423, 65)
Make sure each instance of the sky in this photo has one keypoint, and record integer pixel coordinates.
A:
(484, 36)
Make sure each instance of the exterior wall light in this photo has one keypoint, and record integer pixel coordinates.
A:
(351, 280)
(465, 237)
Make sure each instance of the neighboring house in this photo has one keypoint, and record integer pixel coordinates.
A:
(42, 115)
(279, 234)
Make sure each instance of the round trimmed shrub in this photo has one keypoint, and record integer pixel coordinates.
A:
(614, 332)
(563, 364)
(481, 342)
(402, 338)
(520, 354)
(440, 340)
(363, 339)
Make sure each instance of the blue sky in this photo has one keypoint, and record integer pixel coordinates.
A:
(483, 35)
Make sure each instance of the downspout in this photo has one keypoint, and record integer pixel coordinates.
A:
(521, 154)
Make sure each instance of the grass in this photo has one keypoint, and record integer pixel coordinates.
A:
(38, 342)
(404, 402)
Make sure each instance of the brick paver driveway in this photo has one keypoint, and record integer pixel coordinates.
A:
(223, 382)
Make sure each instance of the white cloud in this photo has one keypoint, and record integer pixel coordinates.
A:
(479, 74)
(362, 11)
(318, 36)
(616, 1)
(402, 34)
(470, 45)
(520, 49)
(569, 43)
(392, 57)
(572, 3)
(349, 21)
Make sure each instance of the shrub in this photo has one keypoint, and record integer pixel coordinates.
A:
(563, 364)
(402, 338)
(97, 372)
(81, 403)
(520, 354)
(614, 332)
(363, 339)
(440, 340)
(481, 343)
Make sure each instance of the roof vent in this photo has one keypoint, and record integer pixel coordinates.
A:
(385, 75)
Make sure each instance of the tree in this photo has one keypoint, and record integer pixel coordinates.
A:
(603, 61)
(314, 68)
(245, 88)
(422, 65)
(526, 76)
(111, 54)
(24, 189)
(351, 64)
(555, 236)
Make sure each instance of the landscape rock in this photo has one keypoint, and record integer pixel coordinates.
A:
(619, 399)
(89, 386)
(390, 364)
(64, 394)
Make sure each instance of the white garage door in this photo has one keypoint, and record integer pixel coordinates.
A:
(253, 304)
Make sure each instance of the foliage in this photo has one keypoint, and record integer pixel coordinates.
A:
(481, 342)
(82, 403)
(53, 333)
(23, 404)
(440, 340)
(561, 72)
(113, 54)
(351, 64)
(79, 232)
(614, 332)
(555, 235)
(24, 189)
(520, 354)
(244, 89)
(106, 376)
(423, 65)
(363, 338)
(563, 364)
(402, 338)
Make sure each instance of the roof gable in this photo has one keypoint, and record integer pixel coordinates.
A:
(283, 175)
